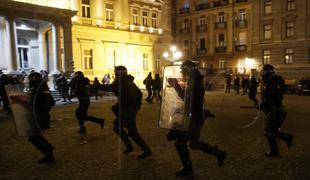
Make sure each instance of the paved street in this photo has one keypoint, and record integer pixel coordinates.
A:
(102, 157)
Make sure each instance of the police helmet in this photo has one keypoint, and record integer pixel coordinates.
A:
(268, 67)
(188, 64)
(120, 69)
(78, 74)
(35, 79)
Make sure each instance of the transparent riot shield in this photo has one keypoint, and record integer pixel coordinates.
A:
(176, 100)
(22, 110)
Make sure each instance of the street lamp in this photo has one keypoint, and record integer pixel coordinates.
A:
(173, 55)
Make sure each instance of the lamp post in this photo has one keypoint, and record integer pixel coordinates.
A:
(173, 54)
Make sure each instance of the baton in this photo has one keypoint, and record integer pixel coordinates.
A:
(250, 107)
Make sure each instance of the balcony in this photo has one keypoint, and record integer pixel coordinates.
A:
(221, 49)
(241, 23)
(220, 25)
(220, 3)
(201, 51)
(202, 6)
(184, 10)
(201, 28)
(240, 1)
(240, 48)
(185, 30)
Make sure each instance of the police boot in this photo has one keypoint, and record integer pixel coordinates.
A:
(220, 155)
(49, 157)
(183, 153)
(274, 151)
(288, 138)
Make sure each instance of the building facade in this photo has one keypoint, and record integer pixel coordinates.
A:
(98, 34)
(281, 36)
(240, 36)
(216, 33)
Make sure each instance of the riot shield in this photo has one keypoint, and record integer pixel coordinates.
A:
(21, 107)
(176, 100)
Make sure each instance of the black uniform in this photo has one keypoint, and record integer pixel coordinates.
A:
(253, 89)
(41, 103)
(237, 84)
(273, 108)
(80, 89)
(245, 85)
(156, 87)
(63, 88)
(228, 83)
(197, 120)
(4, 80)
(148, 85)
(129, 102)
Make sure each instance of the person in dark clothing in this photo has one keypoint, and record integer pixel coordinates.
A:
(253, 90)
(245, 85)
(40, 104)
(237, 84)
(80, 89)
(63, 87)
(196, 112)
(129, 103)
(148, 85)
(271, 105)
(156, 87)
(228, 83)
(5, 100)
(96, 86)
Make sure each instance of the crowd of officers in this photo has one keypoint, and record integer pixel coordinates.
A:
(130, 101)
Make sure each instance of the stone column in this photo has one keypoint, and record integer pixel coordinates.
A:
(56, 48)
(11, 29)
(68, 56)
(42, 50)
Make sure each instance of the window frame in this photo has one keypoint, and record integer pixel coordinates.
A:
(85, 9)
(109, 13)
(267, 7)
(289, 56)
(267, 31)
(88, 61)
(266, 56)
(290, 5)
(145, 18)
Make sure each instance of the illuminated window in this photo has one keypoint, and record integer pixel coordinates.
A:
(290, 5)
(267, 31)
(145, 61)
(109, 12)
(221, 17)
(289, 56)
(154, 19)
(289, 29)
(267, 7)
(85, 8)
(135, 16)
(221, 40)
(144, 18)
(242, 38)
(242, 15)
(266, 56)
(185, 24)
(88, 59)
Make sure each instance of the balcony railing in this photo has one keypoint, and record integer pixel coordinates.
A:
(184, 10)
(241, 48)
(241, 23)
(220, 3)
(201, 28)
(221, 49)
(240, 1)
(185, 30)
(220, 25)
(202, 6)
(201, 51)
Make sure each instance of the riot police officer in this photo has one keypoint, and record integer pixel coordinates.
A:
(80, 89)
(129, 102)
(41, 101)
(253, 90)
(272, 96)
(196, 112)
